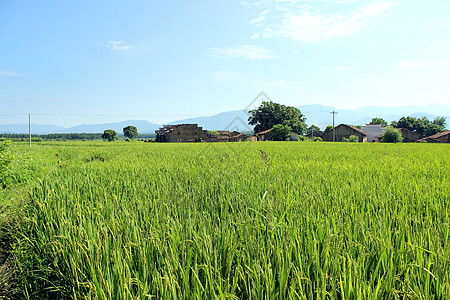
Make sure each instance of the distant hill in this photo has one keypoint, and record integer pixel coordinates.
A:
(142, 125)
(319, 115)
(316, 114)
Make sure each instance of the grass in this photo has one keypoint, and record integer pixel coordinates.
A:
(261, 220)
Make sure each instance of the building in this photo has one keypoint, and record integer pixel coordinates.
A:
(344, 131)
(265, 135)
(193, 133)
(373, 131)
(410, 136)
(443, 137)
(181, 133)
(227, 136)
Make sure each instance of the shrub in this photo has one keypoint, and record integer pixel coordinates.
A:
(280, 132)
(353, 139)
(392, 135)
(345, 140)
(302, 138)
(317, 139)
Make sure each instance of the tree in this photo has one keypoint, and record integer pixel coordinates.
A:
(406, 122)
(130, 132)
(280, 132)
(440, 121)
(109, 135)
(378, 121)
(392, 135)
(313, 129)
(421, 125)
(214, 132)
(269, 114)
(329, 127)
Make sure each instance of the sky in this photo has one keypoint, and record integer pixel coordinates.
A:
(73, 62)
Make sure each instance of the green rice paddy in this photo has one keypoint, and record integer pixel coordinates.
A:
(251, 220)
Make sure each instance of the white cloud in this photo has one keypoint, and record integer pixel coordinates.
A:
(260, 18)
(307, 23)
(414, 64)
(9, 73)
(119, 45)
(245, 51)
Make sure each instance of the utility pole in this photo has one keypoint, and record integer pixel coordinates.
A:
(334, 134)
(29, 127)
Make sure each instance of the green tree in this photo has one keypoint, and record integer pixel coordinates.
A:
(313, 129)
(214, 132)
(130, 132)
(109, 135)
(441, 122)
(406, 122)
(378, 121)
(269, 114)
(280, 132)
(329, 128)
(392, 135)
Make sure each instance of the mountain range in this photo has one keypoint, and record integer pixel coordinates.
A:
(316, 114)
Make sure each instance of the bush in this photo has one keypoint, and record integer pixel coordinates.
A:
(302, 138)
(353, 139)
(317, 139)
(280, 132)
(345, 140)
(423, 141)
(392, 135)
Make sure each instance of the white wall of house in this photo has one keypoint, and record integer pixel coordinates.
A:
(373, 131)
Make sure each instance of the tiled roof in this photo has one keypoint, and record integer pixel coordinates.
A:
(354, 128)
(437, 135)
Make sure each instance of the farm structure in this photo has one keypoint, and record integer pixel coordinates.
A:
(443, 137)
(410, 136)
(373, 131)
(193, 133)
(344, 131)
(266, 136)
(181, 133)
(227, 136)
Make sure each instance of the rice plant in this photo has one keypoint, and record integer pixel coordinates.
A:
(261, 220)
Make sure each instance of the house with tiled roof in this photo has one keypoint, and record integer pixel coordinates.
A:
(344, 131)
(442, 137)
(265, 135)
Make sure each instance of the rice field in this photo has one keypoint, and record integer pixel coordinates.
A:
(257, 220)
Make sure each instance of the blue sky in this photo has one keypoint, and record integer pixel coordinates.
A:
(168, 60)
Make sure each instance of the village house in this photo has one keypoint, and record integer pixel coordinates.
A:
(227, 136)
(344, 131)
(373, 131)
(181, 133)
(442, 137)
(410, 136)
(193, 133)
(265, 135)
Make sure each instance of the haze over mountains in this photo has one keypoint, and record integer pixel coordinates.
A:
(237, 120)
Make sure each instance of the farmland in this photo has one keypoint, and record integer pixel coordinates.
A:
(251, 220)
